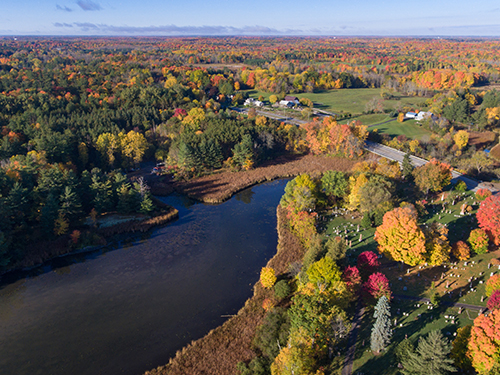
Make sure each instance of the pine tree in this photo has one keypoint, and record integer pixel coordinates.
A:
(430, 358)
(146, 203)
(381, 331)
(407, 166)
(70, 204)
(48, 214)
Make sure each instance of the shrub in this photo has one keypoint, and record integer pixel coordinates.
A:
(268, 304)
(494, 300)
(461, 186)
(478, 241)
(281, 289)
(492, 285)
(267, 277)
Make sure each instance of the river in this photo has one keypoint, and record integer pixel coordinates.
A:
(128, 309)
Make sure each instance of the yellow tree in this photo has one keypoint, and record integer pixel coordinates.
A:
(133, 146)
(437, 245)
(461, 139)
(267, 277)
(108, 144)
(400, 238)
(194, 119)
(355, 184)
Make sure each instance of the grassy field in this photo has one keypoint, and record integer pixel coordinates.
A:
(354, 100)
(348, 100)
(409, 128)
(455, 282)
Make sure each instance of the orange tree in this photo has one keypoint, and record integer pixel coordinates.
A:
(400, 238)
(484, 343)
(488, 217)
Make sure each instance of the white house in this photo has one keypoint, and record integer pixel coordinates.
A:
(425, 115)
(410, 115)
(286, 103)
(252, 101)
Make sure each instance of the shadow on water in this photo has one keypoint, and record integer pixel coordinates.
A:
(129, 308)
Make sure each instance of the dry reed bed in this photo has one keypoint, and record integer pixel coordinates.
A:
(221, 349)
(219, 187)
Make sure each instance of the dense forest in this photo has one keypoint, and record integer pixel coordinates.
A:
(76, 113)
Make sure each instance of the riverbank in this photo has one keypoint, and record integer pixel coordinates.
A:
(221, 349)
(43, 251)
(219, 187)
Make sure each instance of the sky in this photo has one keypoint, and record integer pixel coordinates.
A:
(251, 17)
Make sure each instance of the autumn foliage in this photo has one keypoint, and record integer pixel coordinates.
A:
(478, 240)
(488, 217)
(375, 287)
(482, 194)
(494, 300)
(267, 277)
(329, 137)
(400, 238)
(484, 344)
(367, 262)
(433, 176)
(460, 250)
(492, 285)
(351, 277)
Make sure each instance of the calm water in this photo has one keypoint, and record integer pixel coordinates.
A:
(127, 310)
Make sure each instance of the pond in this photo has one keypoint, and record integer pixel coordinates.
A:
(128, 309)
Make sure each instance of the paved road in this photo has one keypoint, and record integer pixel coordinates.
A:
(353, 336)
(393, 154)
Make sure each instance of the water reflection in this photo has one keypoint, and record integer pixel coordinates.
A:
(128, 310)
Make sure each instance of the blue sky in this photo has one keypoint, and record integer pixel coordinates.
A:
(254, 17)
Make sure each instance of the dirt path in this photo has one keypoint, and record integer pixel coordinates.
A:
(353, 336)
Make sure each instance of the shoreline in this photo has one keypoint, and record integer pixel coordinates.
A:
(219, 187)
(219, 351)
(61, 247)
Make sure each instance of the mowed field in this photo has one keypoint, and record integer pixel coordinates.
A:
(351, 101)
(409, 128)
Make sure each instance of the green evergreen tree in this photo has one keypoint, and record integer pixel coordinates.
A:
(48, 214)
(407, 167)
(430, 358)
(243, 151)
(146, 203)
(366, 221)
(381, 331)
(103, 193)
(70, 206)
(125, 199)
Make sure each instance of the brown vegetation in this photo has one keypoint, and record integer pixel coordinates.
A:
(219, 187)
(495, 152)
(481, 139)
(222, 348)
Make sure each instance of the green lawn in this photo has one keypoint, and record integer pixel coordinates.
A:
(347, 100)
(409, 128)
(354, 100)
(414, 319)
(372, 119)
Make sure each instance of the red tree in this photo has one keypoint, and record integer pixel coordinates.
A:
(351, 277)
(376, 287)
(488, 217)
(494, 301)
(367, 262)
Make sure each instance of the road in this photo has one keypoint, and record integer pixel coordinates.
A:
(353, 336)
(393, 154)
(378, 149)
